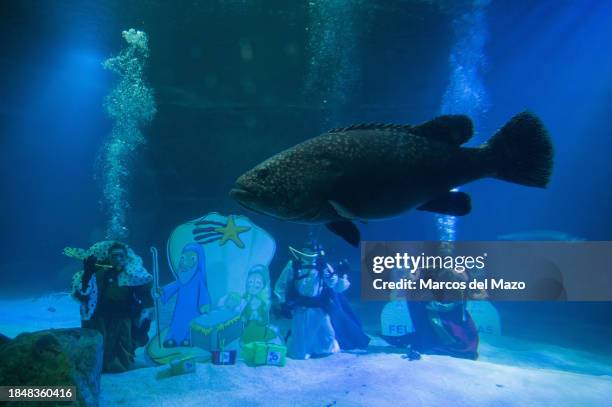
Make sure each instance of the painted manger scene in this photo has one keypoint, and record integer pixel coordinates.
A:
(218, 306)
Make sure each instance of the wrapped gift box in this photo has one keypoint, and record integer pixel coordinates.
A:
(215, 330)
(178, 367)
(262, 353)
(223, 357)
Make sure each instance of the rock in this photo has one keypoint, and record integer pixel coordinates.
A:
(4, 339)
(53, 358)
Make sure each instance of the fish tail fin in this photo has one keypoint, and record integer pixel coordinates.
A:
(522, 151)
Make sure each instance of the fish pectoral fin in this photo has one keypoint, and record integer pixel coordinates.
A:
(346, 230)
(455, 129)
(342, 210)
(453, 203)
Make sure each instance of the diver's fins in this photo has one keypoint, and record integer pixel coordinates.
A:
(346, 230)
(453, 203)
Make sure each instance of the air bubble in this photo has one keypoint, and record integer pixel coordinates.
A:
(131, 105)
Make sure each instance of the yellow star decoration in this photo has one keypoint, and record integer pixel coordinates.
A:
(231, 232)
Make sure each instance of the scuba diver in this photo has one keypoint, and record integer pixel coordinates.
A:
(444, 328)
(114, 290)
(441, 325)
(311, 293)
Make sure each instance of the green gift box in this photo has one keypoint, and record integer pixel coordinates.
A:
(262, 353)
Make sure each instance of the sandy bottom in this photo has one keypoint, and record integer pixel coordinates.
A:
(509, 373)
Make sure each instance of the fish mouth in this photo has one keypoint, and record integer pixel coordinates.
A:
(249, 200)
(241, 195)
(245, 198)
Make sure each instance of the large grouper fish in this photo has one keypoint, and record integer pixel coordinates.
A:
(375, 171)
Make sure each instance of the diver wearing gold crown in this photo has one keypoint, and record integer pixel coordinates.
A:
(311, 290)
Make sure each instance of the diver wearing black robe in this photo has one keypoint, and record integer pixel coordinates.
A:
(121, 311)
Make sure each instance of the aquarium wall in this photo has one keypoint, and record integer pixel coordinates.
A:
(254, 79)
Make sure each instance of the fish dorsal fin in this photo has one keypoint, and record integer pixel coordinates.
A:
(455, 129)
(403, 128)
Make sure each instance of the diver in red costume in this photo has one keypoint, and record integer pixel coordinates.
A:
(443, 328)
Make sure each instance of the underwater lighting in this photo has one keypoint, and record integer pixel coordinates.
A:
(131, 105)
(466, 93)
(331, 45)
